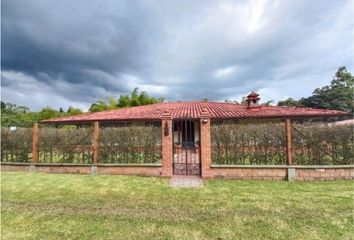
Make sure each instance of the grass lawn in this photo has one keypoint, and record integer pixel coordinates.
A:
(50, 206)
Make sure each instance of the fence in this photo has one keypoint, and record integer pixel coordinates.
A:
(119, 143)
(316, 143)
(235, 142)
(65, 143)
(16, 145)
(130, 142)
(263, 143)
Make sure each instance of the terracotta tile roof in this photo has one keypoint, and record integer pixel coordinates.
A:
(194, 110)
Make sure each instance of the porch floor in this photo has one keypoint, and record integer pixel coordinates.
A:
(186, 181)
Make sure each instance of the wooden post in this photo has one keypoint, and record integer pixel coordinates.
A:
(96, 144)
(288, 141)
(35, 158)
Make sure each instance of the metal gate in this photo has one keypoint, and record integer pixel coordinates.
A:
(186, 147)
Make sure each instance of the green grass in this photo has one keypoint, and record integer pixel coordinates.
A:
(50, 206)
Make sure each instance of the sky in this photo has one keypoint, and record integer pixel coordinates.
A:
(73, 53)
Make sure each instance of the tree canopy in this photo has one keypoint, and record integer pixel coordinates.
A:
(134, 99)
(338, 95)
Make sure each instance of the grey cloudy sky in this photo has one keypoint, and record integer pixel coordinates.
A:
(72, 53)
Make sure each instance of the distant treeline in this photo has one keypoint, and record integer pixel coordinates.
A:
(13, 115)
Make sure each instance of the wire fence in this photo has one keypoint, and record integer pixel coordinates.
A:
(313, 143)
(16, 144)
(320, 143)
(235, 142)
(65, 143)
(130, 142)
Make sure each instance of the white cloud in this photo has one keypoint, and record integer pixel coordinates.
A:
(256, 16)
(224, 72)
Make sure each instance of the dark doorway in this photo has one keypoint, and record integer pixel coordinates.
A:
(186, 147)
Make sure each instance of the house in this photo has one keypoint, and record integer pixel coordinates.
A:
(186, 132)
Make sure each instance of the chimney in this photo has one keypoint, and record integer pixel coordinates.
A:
(252, 100)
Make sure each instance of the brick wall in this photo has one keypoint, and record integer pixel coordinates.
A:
(305, 174)
(302, 173)
(63, 169)
(131, 170)
(142, 170)
(13, 167)
(250, 173)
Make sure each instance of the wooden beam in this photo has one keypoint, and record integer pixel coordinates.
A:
(288, 142)
(35, 151)
(96, 144)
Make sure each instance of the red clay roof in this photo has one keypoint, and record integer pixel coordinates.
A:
(193, 110)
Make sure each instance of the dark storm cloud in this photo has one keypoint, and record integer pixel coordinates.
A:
(62, 53)
(53, 40)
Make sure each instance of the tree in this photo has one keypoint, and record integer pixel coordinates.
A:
(13, 115)
(102, 105)
(47, 113)
(73, 111)
(98, 106)
(290, 102)
(338, 95)
(112, 103)
(123, 101)
(134, 99)
(3, 106)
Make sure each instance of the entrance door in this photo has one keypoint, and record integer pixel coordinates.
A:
(186, 147)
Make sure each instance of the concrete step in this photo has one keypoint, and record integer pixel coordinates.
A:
(184, 181)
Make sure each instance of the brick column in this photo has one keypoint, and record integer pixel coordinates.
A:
(35, 151)
(166, 126)
(205, 144)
